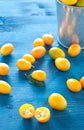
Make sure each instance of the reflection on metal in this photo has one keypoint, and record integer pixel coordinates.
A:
(75, 38)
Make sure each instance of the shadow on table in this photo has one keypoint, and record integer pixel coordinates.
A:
(6, 59)
(44, 126)
(5, 100)
(62, 119)
(27, 124)
(35, 125)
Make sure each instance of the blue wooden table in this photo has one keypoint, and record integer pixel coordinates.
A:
(21, 21)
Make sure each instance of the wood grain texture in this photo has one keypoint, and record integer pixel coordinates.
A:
(20, 23)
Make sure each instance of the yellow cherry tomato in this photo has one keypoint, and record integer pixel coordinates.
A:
(62, 64)
(42, 114)
(38, 52)
(26, 111)
(38, 42)
(5, 88)
(69, 2)
(29, 57)
(39, 75)
(74, 49)
(7, 49)
(23, 65)
(57, 101)
(82, 82)
(48, 39)
(55, 52)
(73, 85)
(4, 69)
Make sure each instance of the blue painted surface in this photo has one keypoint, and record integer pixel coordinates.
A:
(20, 23)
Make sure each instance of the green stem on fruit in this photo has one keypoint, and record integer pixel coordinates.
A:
(33, 66)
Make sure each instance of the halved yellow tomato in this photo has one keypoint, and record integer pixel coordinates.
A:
(27, 111)
(42, 114)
